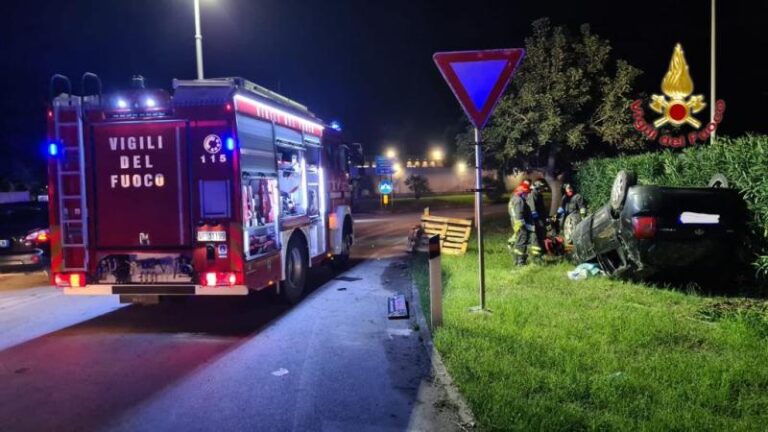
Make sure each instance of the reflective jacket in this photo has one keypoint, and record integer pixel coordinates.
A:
(573, 204)
(519, 210)
(536, 204)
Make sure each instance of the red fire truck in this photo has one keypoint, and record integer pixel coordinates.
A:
(222, 188)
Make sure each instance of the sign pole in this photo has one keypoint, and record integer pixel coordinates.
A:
(712, 68)
(479, 214)
(478, 79)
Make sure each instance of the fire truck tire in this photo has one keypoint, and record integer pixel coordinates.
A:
(341, 260)
(292, 288)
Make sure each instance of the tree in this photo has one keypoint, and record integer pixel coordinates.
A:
(419, 185)
(567, 101)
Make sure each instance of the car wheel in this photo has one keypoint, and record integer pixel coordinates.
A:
(341, 260)
(292, 288)
(569, 225)
(718, 181)
(621, 184)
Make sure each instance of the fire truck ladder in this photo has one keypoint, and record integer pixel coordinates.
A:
(70, 178)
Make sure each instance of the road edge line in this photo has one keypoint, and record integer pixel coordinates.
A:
(438, 367)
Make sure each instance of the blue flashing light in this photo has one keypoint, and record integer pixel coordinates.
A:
(230, 143)
(335, 125)
(53, 149)
(122, 103)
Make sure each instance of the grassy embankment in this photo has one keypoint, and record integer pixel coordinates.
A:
(598, 354)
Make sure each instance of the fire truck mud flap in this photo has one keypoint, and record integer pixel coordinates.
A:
(165, 290)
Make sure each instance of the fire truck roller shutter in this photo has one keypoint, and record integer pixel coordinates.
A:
(288, 136)
(257, 147)
(341, 214)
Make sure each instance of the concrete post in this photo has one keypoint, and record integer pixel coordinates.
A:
(435, 283)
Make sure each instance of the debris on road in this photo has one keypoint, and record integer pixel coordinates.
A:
(398, 307)
(399, 332)
(280, 372)
(341, 289)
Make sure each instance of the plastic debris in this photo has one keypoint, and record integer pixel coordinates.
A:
(397, 307)
(280, 372)
(577, 275)
(584, 271)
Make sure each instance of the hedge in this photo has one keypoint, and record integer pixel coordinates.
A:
(743, 160)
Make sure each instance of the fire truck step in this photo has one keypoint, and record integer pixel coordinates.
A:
(154, 289)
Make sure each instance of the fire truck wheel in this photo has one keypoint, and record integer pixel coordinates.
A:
(292, 288)
(341, 260)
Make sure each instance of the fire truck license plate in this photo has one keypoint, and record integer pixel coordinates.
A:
(211, 236)
(4, 243)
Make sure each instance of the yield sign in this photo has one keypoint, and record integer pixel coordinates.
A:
(478, 78)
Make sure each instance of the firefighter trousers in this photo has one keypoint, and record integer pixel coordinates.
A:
(521, 239)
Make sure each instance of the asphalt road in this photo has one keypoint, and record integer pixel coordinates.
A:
(333, 362)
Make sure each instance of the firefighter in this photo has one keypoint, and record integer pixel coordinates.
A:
(538, 213)
(572, 202)
(522, 223)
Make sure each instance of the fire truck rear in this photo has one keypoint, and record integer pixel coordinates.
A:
(222, 188)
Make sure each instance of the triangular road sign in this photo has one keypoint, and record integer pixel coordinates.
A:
(479, 78)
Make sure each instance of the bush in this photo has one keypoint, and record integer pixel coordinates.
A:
(494, 188)
(419, 185)
(743, 161)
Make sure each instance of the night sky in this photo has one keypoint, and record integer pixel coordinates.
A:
(365, 63)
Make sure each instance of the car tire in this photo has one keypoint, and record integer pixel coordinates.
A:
(569, 224)
(341, 261)
(621, 184)
(296, 265)
(718, 181)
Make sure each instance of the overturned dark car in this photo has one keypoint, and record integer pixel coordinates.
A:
(653, 231)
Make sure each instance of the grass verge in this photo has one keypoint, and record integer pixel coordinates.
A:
(597, 354)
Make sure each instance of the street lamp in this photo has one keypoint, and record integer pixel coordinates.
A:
(437, 154)
(198, 41)
(390, 153)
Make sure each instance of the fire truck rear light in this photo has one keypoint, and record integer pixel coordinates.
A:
(332, 222)
(67, 280)
(214, 279)
(53, 149)
(230, 143)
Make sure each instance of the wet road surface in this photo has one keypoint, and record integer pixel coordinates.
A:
(332, 362)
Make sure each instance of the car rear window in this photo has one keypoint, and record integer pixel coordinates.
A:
(32, 216)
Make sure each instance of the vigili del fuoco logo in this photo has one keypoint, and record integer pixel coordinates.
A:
(677, 107)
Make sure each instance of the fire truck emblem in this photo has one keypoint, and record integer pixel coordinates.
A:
(212, 144)
(677, 105)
